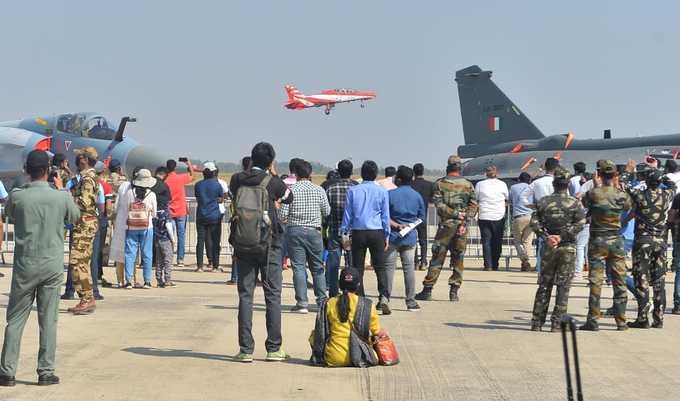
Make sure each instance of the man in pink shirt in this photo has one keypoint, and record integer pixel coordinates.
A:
(178, 202)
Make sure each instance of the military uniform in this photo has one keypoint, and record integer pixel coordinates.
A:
(84, 231)
(556, 214)
(649, 249)
(605, 248)
(38, 213)
(454, 198)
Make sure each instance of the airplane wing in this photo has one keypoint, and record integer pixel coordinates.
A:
(15, 144)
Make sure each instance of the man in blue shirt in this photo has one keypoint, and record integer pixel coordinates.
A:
(406, 207)
(367, 218)
(521, 216)
(209, 195)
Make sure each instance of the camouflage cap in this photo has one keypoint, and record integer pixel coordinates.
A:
(453, 160)
(608, 167)
(561, 175)
(88, 151)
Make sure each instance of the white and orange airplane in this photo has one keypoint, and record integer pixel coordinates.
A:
(327, 99)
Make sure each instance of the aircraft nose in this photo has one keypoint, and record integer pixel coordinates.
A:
(144, 157)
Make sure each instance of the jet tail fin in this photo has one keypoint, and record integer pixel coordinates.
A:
(292, 92)
(489, 116)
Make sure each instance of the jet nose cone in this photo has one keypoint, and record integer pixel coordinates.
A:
(144, 157)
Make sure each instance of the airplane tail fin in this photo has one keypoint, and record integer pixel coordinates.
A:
(488, 115)
(292, 92)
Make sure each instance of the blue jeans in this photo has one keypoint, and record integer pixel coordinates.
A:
(306, 245)
(582, 248)
(234, 270)
(539, 252)
(676, 290)
(134, 240)
(180, 228)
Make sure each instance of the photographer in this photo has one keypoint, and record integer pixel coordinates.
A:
(59, 171)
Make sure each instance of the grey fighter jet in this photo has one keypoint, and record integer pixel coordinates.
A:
(497, 132)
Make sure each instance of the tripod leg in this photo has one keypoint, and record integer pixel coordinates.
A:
(567, 368)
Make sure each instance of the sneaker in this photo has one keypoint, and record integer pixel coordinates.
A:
(99, 297)
(676, 310)
(147, 286)
(127, 286)
(170, 284)
(413, 308)
(385, 308)
(47, 380)
(198, 269)
(299, 309)
(68, 296)
(231, 282)
(243, 357)
(160, 284)
(278, 356)
(180, 263)
(138, 286)
(639, 324)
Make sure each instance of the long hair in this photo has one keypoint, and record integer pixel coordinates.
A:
(349, 282)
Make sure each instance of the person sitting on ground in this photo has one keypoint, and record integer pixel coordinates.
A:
(330, 339)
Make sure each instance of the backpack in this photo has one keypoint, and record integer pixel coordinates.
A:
(138, 214)
(251, 224)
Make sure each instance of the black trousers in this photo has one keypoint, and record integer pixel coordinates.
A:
(492, 241)
(421, 256)
(208, 234)
(374, 242)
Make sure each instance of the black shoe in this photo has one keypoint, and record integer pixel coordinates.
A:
(425, 294)
(47, 380)
(536, 326)
(639, 324)
(386, 309)
(99, 297)
(128, 286)
(486, 268)
(7, 381)
(413, 308)
(658, 324)
(623, 327)
(676, 310)
(68, 296)
(160, 284)
(2, 274)
(590, 326)
(453, 294)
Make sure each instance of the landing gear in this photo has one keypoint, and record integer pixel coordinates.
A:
(362, 105)
(327, 111)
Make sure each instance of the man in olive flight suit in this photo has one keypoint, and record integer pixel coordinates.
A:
(38, 213)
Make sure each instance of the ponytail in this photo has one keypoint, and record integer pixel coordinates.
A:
(343, 306)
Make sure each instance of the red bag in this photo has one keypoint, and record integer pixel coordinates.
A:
(387, 353)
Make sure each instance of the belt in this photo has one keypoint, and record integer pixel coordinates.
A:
(89, 218)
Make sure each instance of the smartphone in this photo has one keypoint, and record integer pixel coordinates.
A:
(183, 159)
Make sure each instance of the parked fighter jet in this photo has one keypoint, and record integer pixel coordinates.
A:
(66, 132)
(497, 132)
(327, 99)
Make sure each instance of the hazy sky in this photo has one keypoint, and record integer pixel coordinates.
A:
(205, 78)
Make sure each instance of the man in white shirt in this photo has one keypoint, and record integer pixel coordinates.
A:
(541, 187)
(492, 195)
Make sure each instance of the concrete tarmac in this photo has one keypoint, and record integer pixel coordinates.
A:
(175, 344)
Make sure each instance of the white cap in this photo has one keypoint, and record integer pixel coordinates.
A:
(210, 166)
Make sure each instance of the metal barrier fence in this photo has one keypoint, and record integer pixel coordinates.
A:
(473, 251)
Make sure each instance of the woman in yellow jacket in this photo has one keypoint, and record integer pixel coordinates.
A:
(331, 338)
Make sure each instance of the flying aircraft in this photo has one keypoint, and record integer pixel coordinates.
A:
(327, 99)
(66, 132)
(497, 132)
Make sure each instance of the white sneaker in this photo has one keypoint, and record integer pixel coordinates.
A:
(299, 309)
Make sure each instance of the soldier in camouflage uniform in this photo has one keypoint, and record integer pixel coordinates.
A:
(454, 199)
(558, 220)
(605, 203)
(649, 250)
(85, 196)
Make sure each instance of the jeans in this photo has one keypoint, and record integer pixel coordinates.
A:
(208, 236)
(234, 270)
(407, 255)
(335, 251)
(373, 241)
(582, 248)
(539, 252)
(180, 228)
(492, 241)
(134, 240)
(306, 245)
(269, 267)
